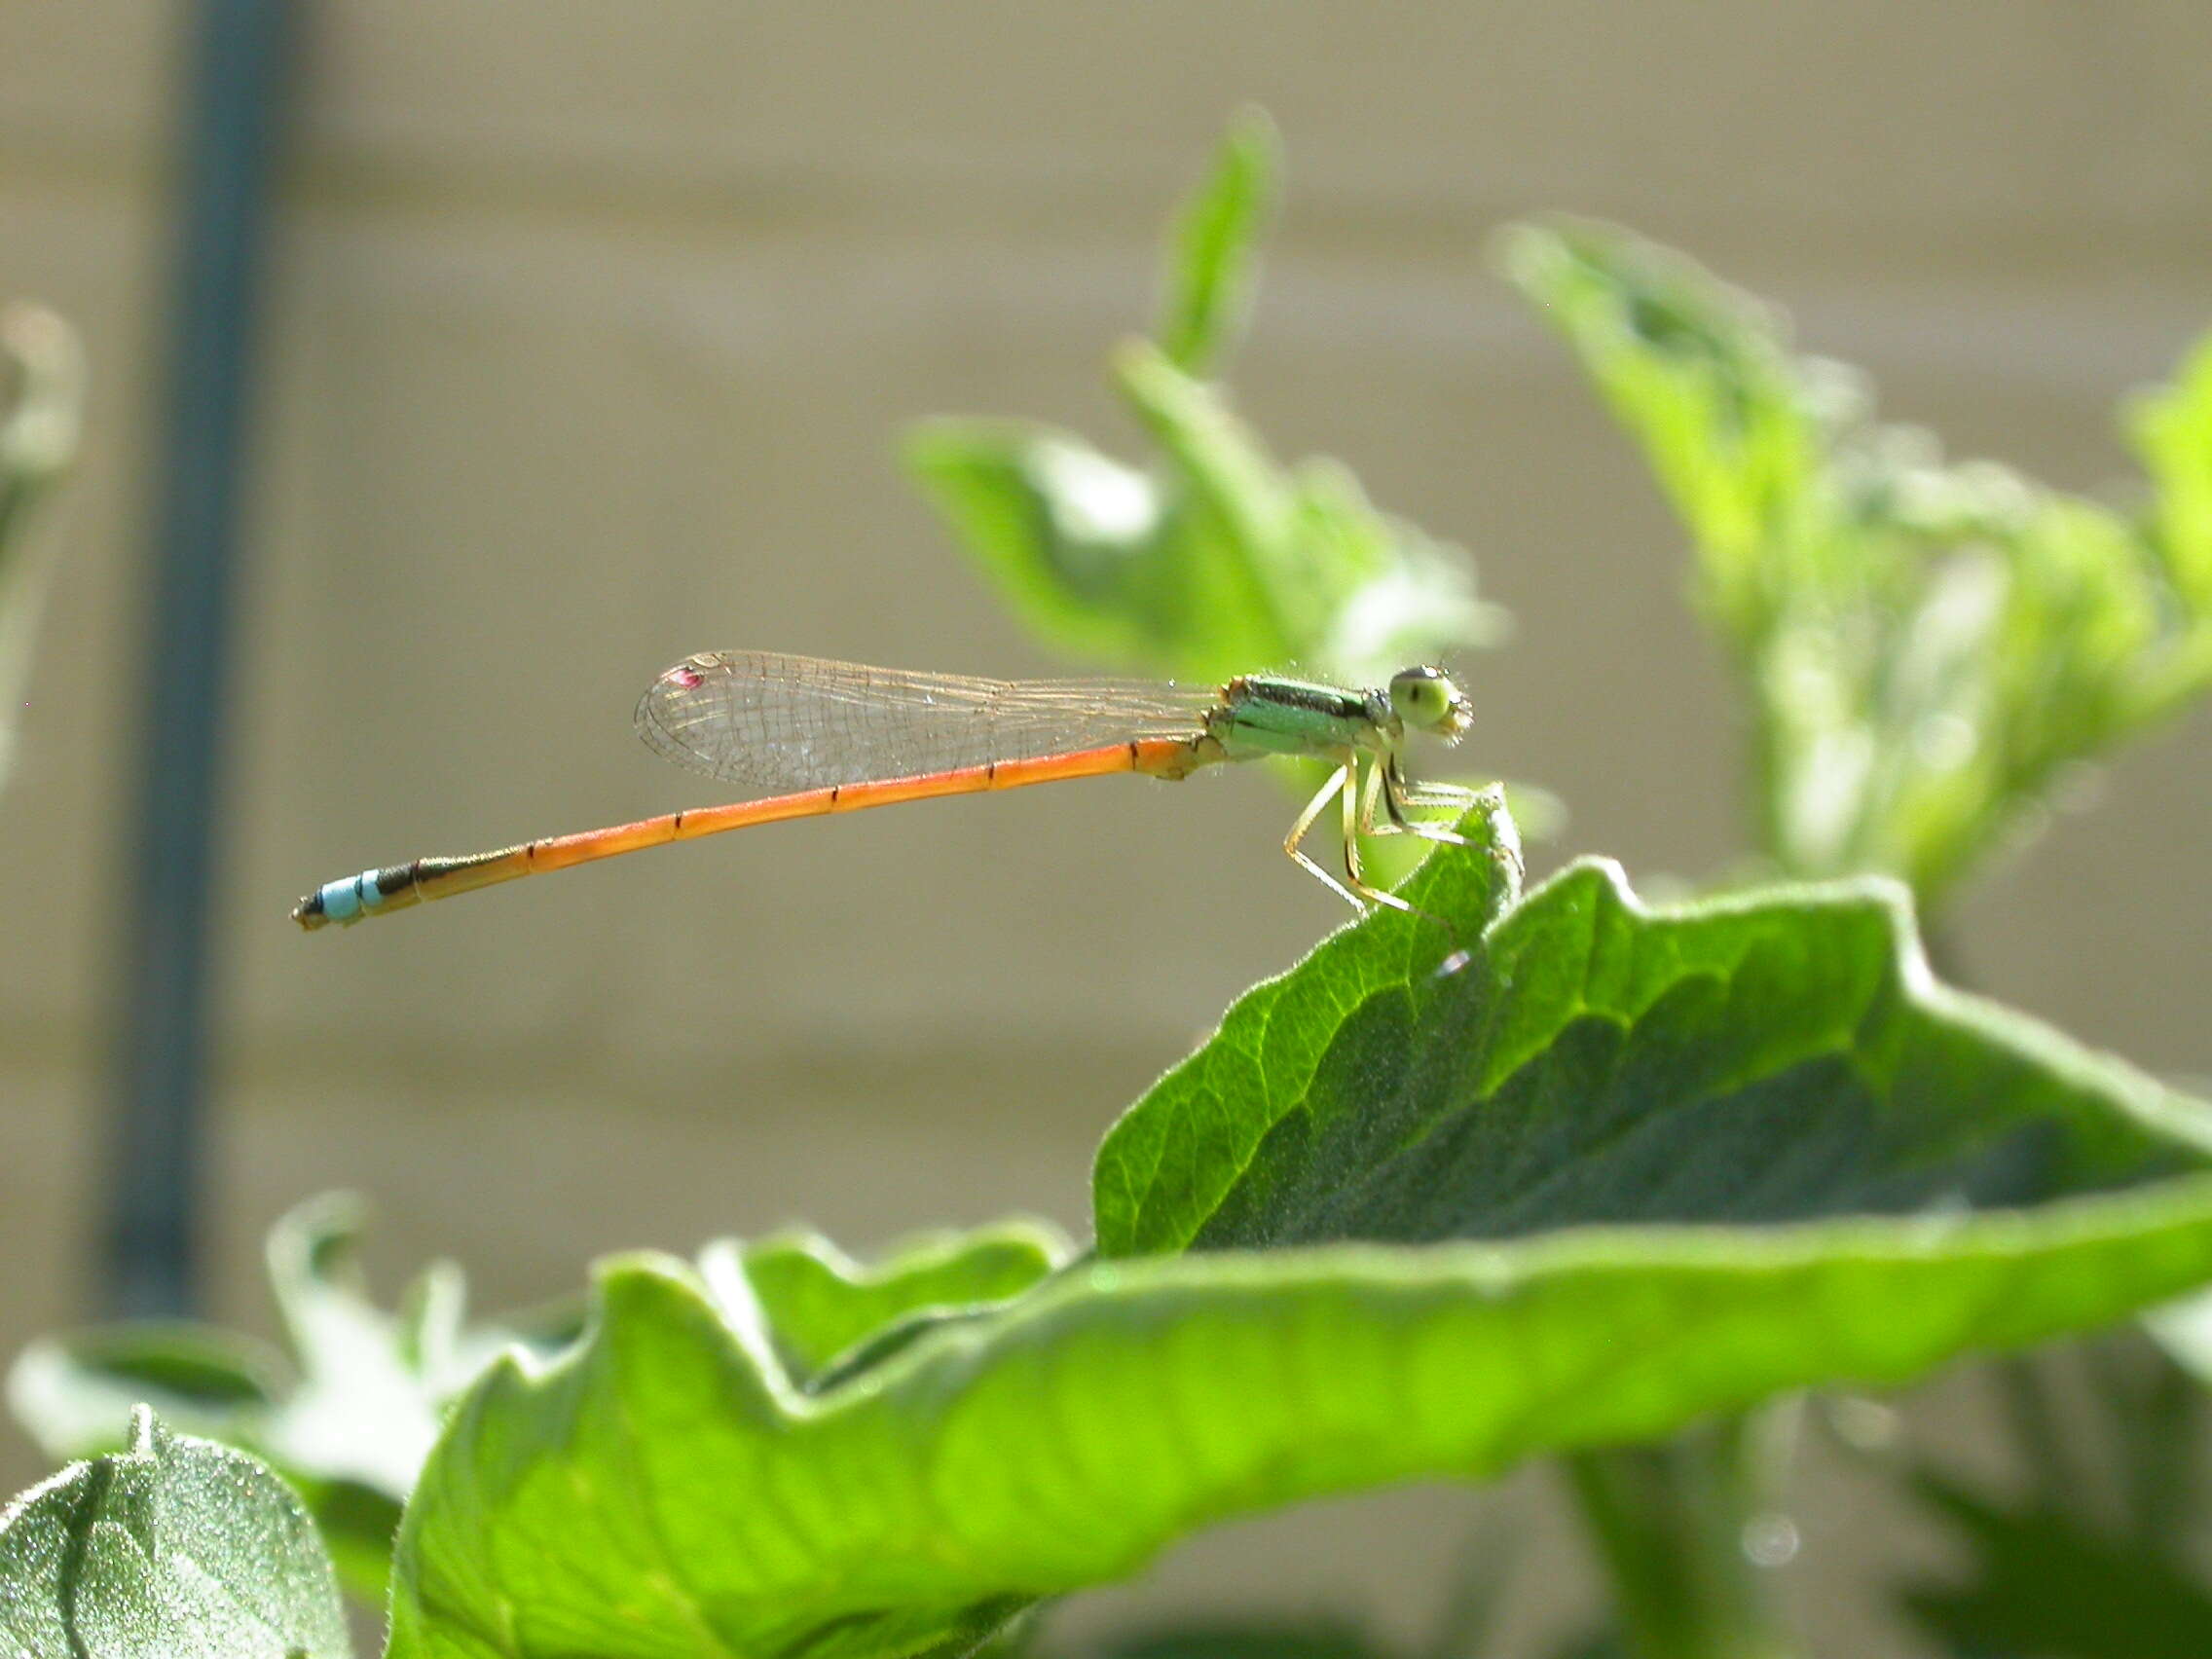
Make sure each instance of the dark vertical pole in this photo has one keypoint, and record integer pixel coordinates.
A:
(229, 121)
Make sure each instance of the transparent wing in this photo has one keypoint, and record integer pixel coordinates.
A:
(776, 724)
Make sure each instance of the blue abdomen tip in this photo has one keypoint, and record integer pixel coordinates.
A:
(342, 900)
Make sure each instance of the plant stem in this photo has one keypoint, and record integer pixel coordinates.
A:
(1672, 1524)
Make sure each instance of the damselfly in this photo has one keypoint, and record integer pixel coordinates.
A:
(806, 737)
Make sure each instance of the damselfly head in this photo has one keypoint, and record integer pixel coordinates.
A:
(1425, 699)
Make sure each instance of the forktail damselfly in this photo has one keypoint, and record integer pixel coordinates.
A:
(805, 736)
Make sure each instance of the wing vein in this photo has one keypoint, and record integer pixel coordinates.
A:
(775, 724)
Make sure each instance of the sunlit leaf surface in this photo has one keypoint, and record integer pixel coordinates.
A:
(1657, 1167)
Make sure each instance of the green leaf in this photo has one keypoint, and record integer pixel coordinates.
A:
(1398, 596)
(1834, 1172)
(665, 1489)
(42, 376)
(74, 1391)
(2045, 1584)
(1472, 1599)
(1322, 1638)
(1775, 1058)
(173, 1549)
(1070, 537)
(42, 388)
(349, 1423)
(1210, 277)
(1101, 560)
(1216, 560)
(1244, 599)
(1672, 1523)
(1283, 566)
(818, 1301)
(1929, 648)
(1222, 564)
(1702, 375)
(2087, 1546)
(2172, 429)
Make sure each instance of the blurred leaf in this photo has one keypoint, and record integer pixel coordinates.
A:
(818, 1301)
(2111, 1432)
(2097, 1550)
(2046, 1587)
(2172, 429)
(1296, 566)
(173, 1549)
(1217, 560)
(1472, 1598)
(1884, 1175)
(1930, 649)
(1223, 565)
(2184, 1330)
(2160, 1427)
(1210, 258)
(1673, 1525)
(1069, 536)
(1396, 596)
(1248, 586)
(71, 1390)
(1316, 1638)
(350, 1424)
(1700, 373)
(42, 376)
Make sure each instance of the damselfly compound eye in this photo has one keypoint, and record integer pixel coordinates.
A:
(1426, 700)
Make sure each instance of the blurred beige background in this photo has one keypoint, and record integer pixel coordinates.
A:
(590, 329)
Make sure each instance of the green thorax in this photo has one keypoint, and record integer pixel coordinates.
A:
(1262, 715)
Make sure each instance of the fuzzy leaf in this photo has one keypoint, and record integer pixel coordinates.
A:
(175, 1548)
(347, 1422)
